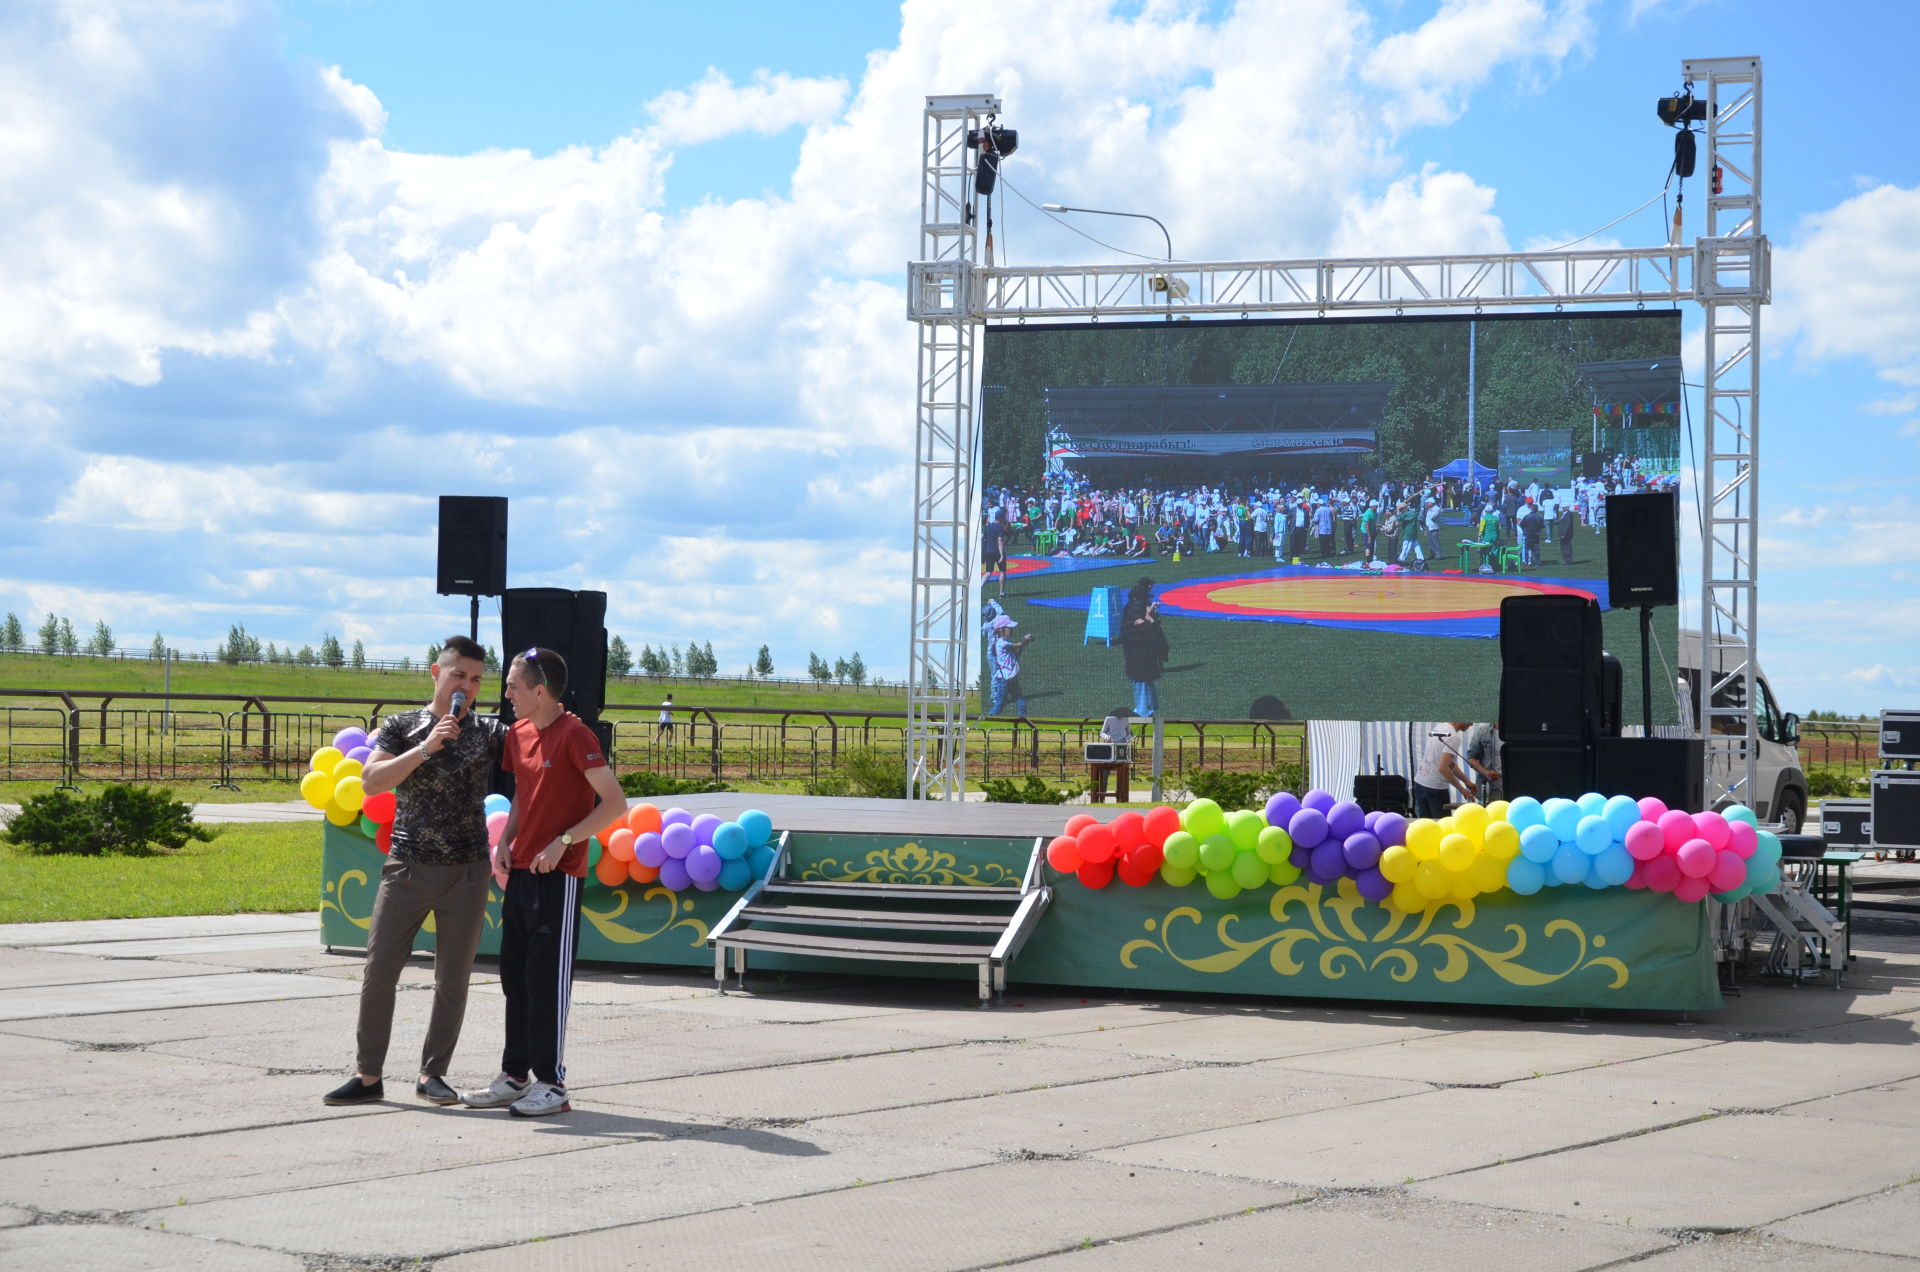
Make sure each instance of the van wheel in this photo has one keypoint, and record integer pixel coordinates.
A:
(1793, 811)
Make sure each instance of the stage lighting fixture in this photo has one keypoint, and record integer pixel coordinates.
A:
(1681, 108)
(994, 144)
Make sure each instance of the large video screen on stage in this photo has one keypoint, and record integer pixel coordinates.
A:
(1306, 519)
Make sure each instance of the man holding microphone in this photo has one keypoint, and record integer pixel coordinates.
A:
(437, 760)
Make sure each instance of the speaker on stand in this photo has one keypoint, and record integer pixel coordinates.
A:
(472, 558)
(1643, 569)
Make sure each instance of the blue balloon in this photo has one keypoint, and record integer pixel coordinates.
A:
(1592, 835)
(1539, 843)
(1570, 865)
(1621, 813)
(1613, 865)
(1593, 880)
(758, 825)
(1592, 804)
(496, 803)
(730, 841)
(1740, 812)
(1526, 877)
(1525, 812)
(1768, 853)
(1764, 883)
(1563, 818)
(760, 860)
(735, 874)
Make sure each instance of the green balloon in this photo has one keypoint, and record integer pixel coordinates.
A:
(1282, 873)
(1178, 876)
(1202, 819)
(1182, 851)
(594, 850)
(1223, 886)
(1217, 853)
(1248, 870)
(1244, 827)
(1274, 845)
(368, 826)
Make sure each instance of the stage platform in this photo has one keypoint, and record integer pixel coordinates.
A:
(852, 815)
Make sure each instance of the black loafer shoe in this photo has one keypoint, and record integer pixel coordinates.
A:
(436, 1091)
(354, 1091)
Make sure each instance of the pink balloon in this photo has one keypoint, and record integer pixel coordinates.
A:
(1742, 838)
(1651, 809)
(1712, 827)
(1644, 841)
(1690, 890)
(496, 822)
(1695, 858)
(1661, 874)
(1677, 827)
(1638, 879)
(1729, 871)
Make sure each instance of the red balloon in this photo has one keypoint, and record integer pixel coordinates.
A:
(1662, 873)
(383, 837)
(379, 807)
(1096, 843)
(1063, 854)
(1079, 822)
(1148, 855)
(1129, 831)
(1638, 879)
(1132, 873)
(1161, 821)
(1098, 875)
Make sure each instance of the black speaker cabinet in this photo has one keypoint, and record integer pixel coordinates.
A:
(1896, 808)
(1669, 769)
(1610, 676)
(573, 625)
(1643, 550)
(1590, 466)
(1550, 669)
(1846, 823)
(1546, 769)
(473, 546)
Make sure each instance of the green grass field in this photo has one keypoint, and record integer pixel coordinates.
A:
(247, 868)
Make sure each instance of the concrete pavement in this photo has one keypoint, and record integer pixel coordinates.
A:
(175, 1067)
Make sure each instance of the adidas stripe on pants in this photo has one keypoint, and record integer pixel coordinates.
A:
(539, 937)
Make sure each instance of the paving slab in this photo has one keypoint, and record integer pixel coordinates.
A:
(603, 1055)
(1513, 1053)
(14, 1217)
(307, 957)
(70, 932)
(1896, 1104)
(1395, 1141)
(1123, 1110)
(1742, 1252)
(1885, 1223)
(1042, 1018)
(1362, 1233)
(1727, 1174)
(169, 947)
(960, 1219)
(402, 1137)
(890, 1080)
(1259, 1035)
(115, 1246)
(168, 991)
(34, 968)
(333, 1015)
(792, 1009)
(464, 1208)
(1769, 1008)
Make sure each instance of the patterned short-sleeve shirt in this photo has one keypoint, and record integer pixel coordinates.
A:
(439, 816)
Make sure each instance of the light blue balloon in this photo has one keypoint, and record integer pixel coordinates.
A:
(1524, 876)
(1740, 812)
(496, 803)
(758, 825)
(1570, 865)
(730, 841)
(1768, 851)
(1563, 816)
(1592, 804)
(735, 874)
(1525, 812)
(1614, 865)
(1594, 881)
(1592, 835)
(1621, 813)
(1764, 883)
(759, 859)
(1538, 844)
(1731, 895)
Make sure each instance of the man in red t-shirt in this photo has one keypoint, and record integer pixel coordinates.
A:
(561, 776)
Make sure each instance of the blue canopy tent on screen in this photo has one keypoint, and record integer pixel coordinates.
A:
(1457, 471)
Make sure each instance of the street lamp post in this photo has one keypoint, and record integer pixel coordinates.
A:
(1138, 216)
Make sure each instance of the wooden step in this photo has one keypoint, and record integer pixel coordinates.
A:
(855, 948)
(901, 891)
(833, 916)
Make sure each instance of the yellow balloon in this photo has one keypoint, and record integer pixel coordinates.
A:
(1460, 886)
(1502, 841)
(1431, 878)
(325, 758)
(1469, 818)
(1456, 852)
(1398, 863)
(1497, 811)
(1423, 839)
(1448, 826)
(1489, 873)
(341, 816)
(348, 768)
(1407, 897)
(349, 794)
(316, 789)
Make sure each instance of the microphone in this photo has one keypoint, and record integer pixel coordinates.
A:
(459, 701)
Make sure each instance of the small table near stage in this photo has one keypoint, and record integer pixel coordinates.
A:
(1106, 759)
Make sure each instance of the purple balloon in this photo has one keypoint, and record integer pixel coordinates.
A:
(1390, 830)
(678, 840)
(703, 827)
(1318, 800)
(1361, 850)
(676, 817)
(1329, 863)
(703, 864)
(1281, 808)
(1346, 818)
(1301, 856)
(1370, 820)
(1373, 885)
(648, 850)
(348, 738)
(361, 753)
(673, 875)
(707, 885)
(1308, 827)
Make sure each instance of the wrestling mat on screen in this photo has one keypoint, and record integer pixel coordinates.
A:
(1298, 503)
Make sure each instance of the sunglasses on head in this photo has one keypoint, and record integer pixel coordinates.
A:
(532, 659)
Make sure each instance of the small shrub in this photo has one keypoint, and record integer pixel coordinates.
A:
(642, 783)
(831, 782)
(1032, 790)
(1833, 784)
(127, 820)
(874, 773)
(1229, 790)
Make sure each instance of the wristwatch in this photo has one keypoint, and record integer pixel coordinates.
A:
(566, 840)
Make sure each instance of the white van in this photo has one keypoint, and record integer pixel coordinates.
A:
(1780, 788)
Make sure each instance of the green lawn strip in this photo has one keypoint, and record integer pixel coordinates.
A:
(247, 868)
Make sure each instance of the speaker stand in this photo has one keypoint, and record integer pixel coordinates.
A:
(473, 625)
(1646, 671)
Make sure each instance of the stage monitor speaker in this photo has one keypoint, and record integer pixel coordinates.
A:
(1669, 769)
(1383, 793)
(573, 625)
(1590, 467)
(1545, 770)
(1610, 676)
(1643, 550)
(473, 546)
(1550, 669)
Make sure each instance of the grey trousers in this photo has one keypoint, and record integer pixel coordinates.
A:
(456, 896)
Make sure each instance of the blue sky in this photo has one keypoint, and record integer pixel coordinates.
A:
(278, 275)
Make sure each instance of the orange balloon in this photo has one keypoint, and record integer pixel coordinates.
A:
(1079, 822)
(620, 845)
(642, 818)
(1161, 820)
(1129, 831)
(640, 873)
(610, 870)
(1063, 854)
(616, 817)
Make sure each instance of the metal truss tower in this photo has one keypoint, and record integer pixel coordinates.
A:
(950, 294)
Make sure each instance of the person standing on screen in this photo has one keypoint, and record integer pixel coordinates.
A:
(663, 731)
(1565, 533)
(1323, 528)
(436, 760)
(1440, 773)
(1003, 655)
(561, 777)
(1143, 643)
(993, 551)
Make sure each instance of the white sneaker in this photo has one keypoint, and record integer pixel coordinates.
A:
(541, 1099)
(503, 1092)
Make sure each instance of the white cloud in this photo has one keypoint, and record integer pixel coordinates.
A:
(1429, 71)
(715, 107)
(1849, 286)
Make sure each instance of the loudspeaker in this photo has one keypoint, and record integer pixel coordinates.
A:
(1546, 769)
(1669, 769)
(1590, 466)
(1550, 669)
(1643, 550)
(1610, 677)
(1382, 793)
(573, 625)
(473, 546)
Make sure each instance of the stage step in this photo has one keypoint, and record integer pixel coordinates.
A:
(881, 922)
